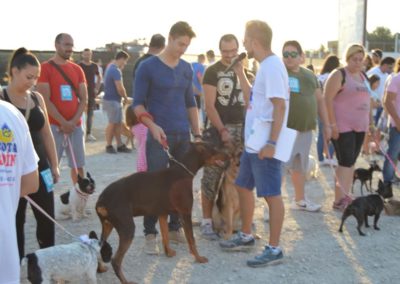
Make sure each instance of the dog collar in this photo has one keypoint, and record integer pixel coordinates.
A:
(80, 193)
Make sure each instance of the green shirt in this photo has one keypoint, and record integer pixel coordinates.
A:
(303, 102)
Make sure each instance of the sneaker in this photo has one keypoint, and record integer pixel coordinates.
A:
(323, 163)
(208, 233)
(267, 257)
(177, 237)
(151, 246)
(124, 149)
(110, 149)
(90, 138)
(236, 243)
(305, 205)
(332, 162)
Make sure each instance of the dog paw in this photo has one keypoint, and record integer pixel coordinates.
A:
(202, 259)
(102, 269)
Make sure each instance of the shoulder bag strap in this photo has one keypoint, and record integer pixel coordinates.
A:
(66, 78)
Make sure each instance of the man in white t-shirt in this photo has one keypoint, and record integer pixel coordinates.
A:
(267, 102)
(18, 177)
(382, 71)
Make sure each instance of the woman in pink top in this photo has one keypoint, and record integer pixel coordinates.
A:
(348, 104)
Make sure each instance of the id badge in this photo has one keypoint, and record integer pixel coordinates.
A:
(66, 92)
(294, 85)
(48, 179)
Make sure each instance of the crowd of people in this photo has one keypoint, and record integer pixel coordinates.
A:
(347, 104)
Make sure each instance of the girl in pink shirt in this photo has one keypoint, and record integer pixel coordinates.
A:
(139, 132)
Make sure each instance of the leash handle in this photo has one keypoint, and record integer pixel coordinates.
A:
(164, 143)
(71, 150)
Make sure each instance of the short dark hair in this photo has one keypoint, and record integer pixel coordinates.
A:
(228, 37)
(260, 31)
(59, 37)
(87, 49)
(377, 52)
(295, 44)
(157, 41)
(182, 29)
(387, 60)
(373, 78)
(21, 58)
(210, 53)
(122, 54)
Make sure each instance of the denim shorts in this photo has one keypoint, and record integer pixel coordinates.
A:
(113, 110)
(265, 175)
(77, 142)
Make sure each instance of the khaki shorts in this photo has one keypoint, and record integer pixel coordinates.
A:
(212, 175)
(299, 159)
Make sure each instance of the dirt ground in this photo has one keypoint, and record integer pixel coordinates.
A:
(314, 251)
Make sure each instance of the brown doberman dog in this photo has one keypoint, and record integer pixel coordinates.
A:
(156, 193)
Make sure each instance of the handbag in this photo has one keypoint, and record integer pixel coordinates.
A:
(66, 78)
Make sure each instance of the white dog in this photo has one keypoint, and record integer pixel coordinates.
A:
(76, 199)
(71, 262)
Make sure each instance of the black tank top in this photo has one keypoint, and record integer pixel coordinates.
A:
(36, 122)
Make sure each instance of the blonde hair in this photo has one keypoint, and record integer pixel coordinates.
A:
(260, 31)
(353, 49)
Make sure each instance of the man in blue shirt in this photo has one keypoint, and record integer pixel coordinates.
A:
(114, 91)
(164, 102)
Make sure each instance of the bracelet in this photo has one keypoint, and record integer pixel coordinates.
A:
(145, 114)
(271, 143)
(223, 129)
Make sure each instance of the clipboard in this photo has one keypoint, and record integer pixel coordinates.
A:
(259, 135)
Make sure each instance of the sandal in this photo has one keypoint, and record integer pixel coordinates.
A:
(342, 204)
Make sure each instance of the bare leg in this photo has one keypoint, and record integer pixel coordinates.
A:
(298, 180)
(276, 215)
(246, 198)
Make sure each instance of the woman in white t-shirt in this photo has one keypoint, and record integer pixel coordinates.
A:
(18, 177)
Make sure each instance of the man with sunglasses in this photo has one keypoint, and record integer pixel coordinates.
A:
(225, 107)
(305, 101)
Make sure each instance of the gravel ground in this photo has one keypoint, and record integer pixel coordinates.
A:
(314, 250)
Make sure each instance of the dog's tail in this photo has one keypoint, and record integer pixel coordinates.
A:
(34, 271)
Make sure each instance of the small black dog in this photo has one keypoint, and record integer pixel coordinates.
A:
(364, 206)
(365, 175)
(77, 197)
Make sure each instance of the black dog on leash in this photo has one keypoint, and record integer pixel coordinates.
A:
(365, 175)
(370, 205)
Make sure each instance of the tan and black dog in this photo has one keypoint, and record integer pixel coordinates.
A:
(156, 193)
(226, 210)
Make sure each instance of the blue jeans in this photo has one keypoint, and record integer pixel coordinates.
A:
(320, 143)
(393, 152)
(157, 159)
(378, 114)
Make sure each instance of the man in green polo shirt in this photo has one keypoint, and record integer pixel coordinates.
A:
(306, 101)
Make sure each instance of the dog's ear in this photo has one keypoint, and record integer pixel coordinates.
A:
(88, 175)
(93, 235)
(380, 184)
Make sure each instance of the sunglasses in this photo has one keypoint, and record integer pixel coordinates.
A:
(292, 54)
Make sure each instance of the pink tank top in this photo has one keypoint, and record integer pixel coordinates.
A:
(352, 105)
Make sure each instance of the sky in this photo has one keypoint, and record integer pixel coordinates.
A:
(93, 23)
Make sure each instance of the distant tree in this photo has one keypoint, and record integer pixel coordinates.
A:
(381, 38)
